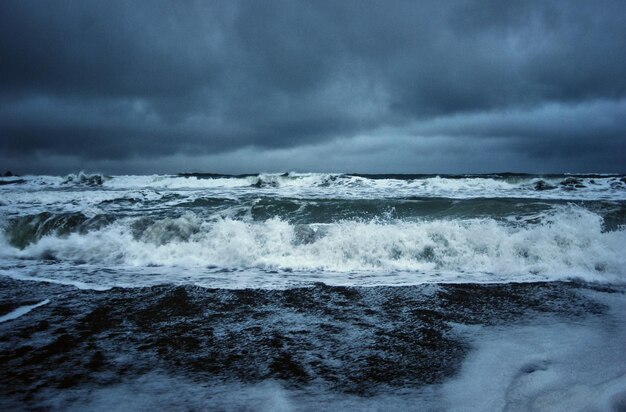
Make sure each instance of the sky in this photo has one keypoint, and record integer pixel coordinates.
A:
(123, 87)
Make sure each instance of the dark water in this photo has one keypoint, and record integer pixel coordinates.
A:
(320, 347)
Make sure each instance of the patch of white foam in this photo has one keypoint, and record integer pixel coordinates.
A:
(175, 182)
(89, 202)
(547, 366)
(21, 311)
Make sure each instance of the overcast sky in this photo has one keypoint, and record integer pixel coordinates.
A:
(362, 86)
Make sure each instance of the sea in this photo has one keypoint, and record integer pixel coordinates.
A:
(313, 291)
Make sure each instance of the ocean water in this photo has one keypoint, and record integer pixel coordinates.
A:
(310, 291)
(286, 230)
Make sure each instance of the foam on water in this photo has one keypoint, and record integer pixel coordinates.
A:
(550, 366)
(345, 186)
(21, 311)
(569, 242)
(281, 229)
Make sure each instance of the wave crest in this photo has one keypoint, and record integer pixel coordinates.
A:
(83, 178)
(569, 242)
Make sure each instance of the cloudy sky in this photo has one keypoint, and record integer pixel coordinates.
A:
(345, 86)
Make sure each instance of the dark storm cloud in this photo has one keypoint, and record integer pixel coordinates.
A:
(108, 81)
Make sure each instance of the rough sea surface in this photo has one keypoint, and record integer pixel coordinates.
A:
(307, 291)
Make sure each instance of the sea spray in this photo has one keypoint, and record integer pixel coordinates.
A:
(567, 242)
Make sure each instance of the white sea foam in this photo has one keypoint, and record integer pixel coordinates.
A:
(21, 311)
(568, 243)
(339, 186)
(546, 366)
(175, 182)
(345, 186)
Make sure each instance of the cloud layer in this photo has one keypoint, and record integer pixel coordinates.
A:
(369, 86)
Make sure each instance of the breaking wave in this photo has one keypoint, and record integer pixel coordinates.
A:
(83, 178)
(567, 242)
(345, 185)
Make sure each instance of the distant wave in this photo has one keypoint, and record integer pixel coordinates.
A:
(585, 186)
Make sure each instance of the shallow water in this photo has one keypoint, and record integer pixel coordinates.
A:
(527, 346)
